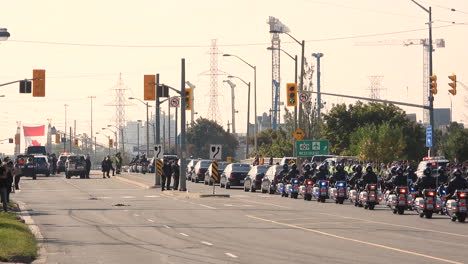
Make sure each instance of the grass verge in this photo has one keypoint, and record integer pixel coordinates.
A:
(17, 243)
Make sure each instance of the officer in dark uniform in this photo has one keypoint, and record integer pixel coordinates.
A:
(166, 175)
(175, 173)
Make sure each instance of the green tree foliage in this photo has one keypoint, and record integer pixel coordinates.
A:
(382, 143)
(454, 144)
(205, 132)
(343, 120)
(274, 143)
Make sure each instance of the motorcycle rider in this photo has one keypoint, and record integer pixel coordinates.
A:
(321, 175)
(339, 175)
(442, 178)
(425, 182)
(353, 180)
(281, 176)
(307, 174)
(457, 183)
(368, 177)
(399, 179)
(411, 175)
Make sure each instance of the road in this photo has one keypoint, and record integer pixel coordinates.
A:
(81, 223)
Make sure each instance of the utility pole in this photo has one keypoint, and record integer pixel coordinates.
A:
(71, 139)
(157, 115)
(169, 124)
(319, 98)
(176, 127)
(183, 165)
(92, 97)
(65, 130)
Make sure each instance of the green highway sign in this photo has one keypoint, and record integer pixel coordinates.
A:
(309, 148)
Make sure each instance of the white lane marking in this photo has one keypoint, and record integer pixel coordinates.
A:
(152, 221)
(184, 234)
(136, 214)
(230, 255)
(152, 196)
(209, 207)
(166, 226)
(128, 197)
(103, 197)
(206, 243)
(239, 205)
(410, 227)
(354, 240)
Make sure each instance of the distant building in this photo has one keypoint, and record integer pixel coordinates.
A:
(263, 122)
(412, 117)
(442, 117)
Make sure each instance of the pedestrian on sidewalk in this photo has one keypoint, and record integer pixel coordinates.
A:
(10, 173)
(88, 166)
(166, 177)
(3, 188)
(105, 168)
(175, 173)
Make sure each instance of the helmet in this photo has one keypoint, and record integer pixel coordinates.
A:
(307, 167)
(410, 169)
(339, 167)
(427, 172)
(285, 166)
(457, 173)
(368, 168)
(440, 169)
(294, 166)
(354, 168)
(399, 170)
(314, 165)
(322, 167)
(358, 168)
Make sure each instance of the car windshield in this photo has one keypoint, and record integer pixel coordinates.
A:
(205, 163)
(39, 160)
(222, 165)
(75, 158)
(241, 167)
(262, 168)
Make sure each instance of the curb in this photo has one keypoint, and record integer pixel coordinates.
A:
(215, 195)
(42, 257)
(138, 184)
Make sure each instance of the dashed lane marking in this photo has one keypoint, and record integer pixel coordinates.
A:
(230, 255)
(128, 197)
(149, 220)
(206, 243)
(152, 196)
(209, 207)
(136, 215)
(166, 226)
(184, 234)
(355, 240)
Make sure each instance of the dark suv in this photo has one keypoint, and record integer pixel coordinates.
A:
(26, 166)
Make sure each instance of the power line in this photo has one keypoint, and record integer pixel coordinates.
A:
(445, 7)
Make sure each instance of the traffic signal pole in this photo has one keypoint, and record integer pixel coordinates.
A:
(183, 148)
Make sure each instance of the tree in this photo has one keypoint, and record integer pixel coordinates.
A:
(205, 132)
(274, 143)
(343, 120)
(382, 143)
(454, 144)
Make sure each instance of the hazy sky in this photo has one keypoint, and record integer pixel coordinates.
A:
(75, 72)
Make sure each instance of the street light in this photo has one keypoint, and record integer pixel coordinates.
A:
(232, 85)
(248, 115)
(255, 95)
(4, 34)
(115, 136)
(138, 136)
(319, 99)
(147, 121)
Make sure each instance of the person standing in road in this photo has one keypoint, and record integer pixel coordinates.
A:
(110, 167)
(88, 166)
(176, 174)
(105, 168)
(166, 177)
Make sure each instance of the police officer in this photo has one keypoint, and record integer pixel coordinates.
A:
(426, 181)
(320, 175)
(88, 166)
(457, 183)
(356, 176)
(307, 175)
(293, 172)
(411, 175)
(368, 177)
(399, 179)
(339, 175)
(166, 175)
(442, 177)
(281, 177)
(175, 173)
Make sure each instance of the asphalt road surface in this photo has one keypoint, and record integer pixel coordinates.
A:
(82, 222)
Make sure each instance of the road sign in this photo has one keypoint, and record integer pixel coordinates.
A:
(309, 148)
(429, 136)
(303, 97)
(229, 159)
(159, 169)
(214, 171)
(174, 101)
(158, 151)
(216, 152)
(298, 134)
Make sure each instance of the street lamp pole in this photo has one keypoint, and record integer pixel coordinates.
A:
(248, 116)
(91, 97)
(319, 98)
(147, 122)
(65, 130)
(431, 96)
(233, 109)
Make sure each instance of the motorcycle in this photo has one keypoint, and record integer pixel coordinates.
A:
(426, 205)
(456, 207)
(144, 167)
(281, 189)
(293, 188)
(353, 196)
(399, 200)
(338, 193)
(307, 190)
(441, 198)
(321, 191)
(370, 196)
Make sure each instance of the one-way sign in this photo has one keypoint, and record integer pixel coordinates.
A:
(216, 152)
(429, 136)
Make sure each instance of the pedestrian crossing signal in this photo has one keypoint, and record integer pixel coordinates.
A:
(291, 92)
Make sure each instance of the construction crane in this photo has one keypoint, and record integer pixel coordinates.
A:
(439, 43)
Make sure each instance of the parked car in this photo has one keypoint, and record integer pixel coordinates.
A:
(221, 166)
(269, 180)
(75, 166)
(25, 165)
(198, 172)
(234, 175)
(253, 180)
(41, 165)
(61, 161)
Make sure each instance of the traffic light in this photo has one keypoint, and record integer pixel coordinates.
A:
(291, 92)
(58, 140)
(149, 90)
(38, 83)
(453, 84)
(25, 86)
(162, 90)
(433, 84)
(111, 142)
(188, 99)
(75, 142)
(10, 140)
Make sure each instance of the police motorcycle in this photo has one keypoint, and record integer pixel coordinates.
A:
(456, 206)
(292, 188)
(306, 190)
(320, 191)
(426, 205)
(338, 193)
(369, 196)
(399, 200)
(442, 195)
